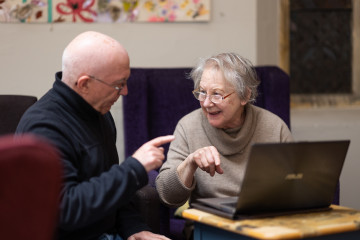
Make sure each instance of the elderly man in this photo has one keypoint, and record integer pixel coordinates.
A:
(74, 116)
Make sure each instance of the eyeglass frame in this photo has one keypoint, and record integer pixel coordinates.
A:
(210, 96)
(118, 89)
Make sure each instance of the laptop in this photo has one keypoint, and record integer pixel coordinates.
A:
(284, 178)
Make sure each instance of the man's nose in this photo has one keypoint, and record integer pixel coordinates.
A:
(124, 91)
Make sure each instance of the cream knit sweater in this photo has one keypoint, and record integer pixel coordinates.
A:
(194, 131)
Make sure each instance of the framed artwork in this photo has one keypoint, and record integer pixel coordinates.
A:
(108, 11)
(20, 11)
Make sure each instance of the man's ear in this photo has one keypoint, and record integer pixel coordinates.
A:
(82, 84)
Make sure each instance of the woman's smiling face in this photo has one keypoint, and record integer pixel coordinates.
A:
(226, 114)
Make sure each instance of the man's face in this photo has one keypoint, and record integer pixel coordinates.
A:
(105, 91)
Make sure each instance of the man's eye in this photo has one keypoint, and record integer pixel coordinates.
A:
(121, 85)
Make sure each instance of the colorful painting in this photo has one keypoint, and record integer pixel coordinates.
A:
(74, 11)
(24, 11)
(110, 11)
(173, 11)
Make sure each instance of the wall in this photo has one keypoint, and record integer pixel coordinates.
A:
(268, 32)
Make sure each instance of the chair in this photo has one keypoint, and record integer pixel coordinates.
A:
(12, 107)
(158, 98)
(30, 183)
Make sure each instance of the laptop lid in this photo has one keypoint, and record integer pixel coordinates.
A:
(284, 177)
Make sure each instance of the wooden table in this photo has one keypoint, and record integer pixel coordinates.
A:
(338, 223)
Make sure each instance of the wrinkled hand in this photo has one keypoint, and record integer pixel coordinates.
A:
(208, 160)
(151, 155)
(144, 235)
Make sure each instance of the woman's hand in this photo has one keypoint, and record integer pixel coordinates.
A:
(207, 159)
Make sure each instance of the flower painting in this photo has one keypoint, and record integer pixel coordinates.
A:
(24, 11)
(111, 11)
(74, 11)
(174, 11)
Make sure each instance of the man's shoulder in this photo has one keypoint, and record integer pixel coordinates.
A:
(43, 112)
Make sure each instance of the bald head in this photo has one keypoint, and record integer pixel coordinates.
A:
(92, 53)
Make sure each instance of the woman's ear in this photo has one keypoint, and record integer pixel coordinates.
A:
(247, 97)
(82, 84)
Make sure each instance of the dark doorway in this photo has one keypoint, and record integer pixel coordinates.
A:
(320, 46)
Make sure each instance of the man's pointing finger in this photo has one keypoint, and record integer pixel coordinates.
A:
(161, 140)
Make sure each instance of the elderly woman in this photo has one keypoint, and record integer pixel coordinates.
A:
(212, 144)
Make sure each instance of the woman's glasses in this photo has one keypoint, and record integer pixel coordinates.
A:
(214, 98)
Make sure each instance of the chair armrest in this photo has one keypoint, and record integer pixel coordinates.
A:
(148, 202)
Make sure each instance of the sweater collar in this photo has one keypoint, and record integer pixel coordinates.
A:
(229, 143)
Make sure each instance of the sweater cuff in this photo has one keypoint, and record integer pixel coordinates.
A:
(174, 193)
(189, 189)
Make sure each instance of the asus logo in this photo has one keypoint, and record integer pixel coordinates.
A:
(294, 176)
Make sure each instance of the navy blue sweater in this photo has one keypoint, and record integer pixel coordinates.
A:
(96, 194)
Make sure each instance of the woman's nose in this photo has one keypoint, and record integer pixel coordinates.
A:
(207, 101)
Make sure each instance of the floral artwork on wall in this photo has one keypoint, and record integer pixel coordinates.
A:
(107, 11)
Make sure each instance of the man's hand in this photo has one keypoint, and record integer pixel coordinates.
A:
(151, 155)
(144, 235)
